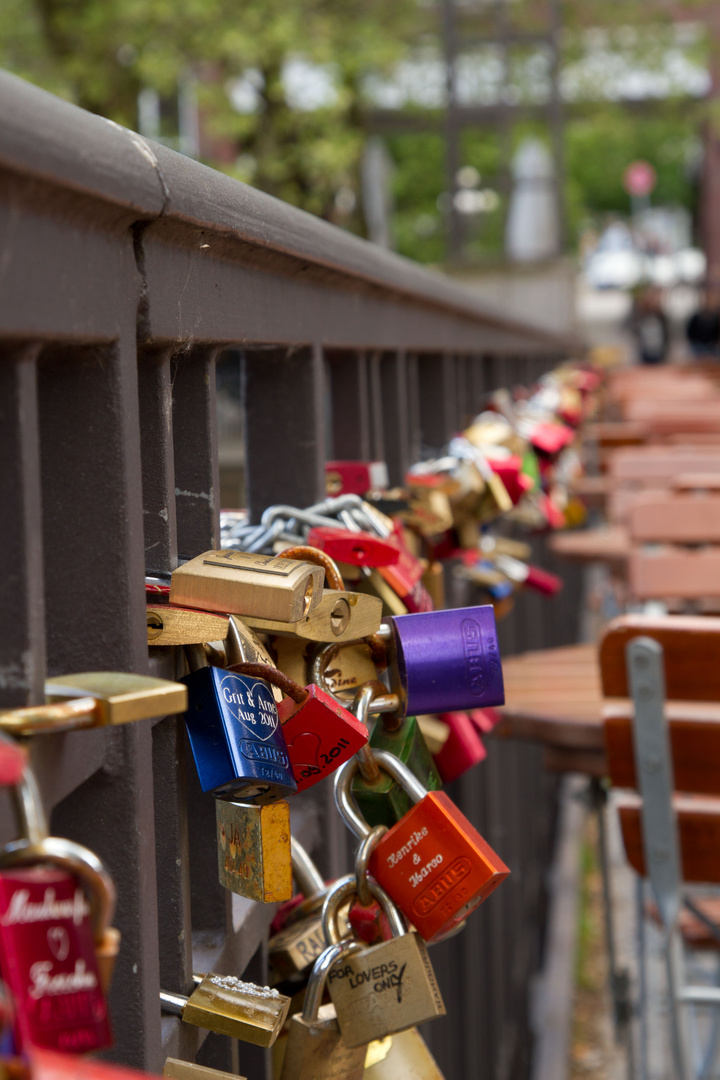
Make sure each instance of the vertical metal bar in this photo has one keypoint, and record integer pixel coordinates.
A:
(90, 461)
(438, 404)
(197, 481)
(22, 630)
(350, 406)
(413, 398)
(377, 426)
(283, 397)
(393, 376)
(476, 382)
(158, 465)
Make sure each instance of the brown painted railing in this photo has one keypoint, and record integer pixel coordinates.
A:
(124, 270)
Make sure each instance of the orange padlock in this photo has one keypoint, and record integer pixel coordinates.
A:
(433, 863)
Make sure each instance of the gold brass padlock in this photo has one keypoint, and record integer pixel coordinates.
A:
(229, 1006)
(243, 646)
(175, 1069)
(254, 849)
(405, 1057)
(94, 699)
(171, 625)
(315, 1048)
(294, 948)
(339, 616)
(385, 988)
(247, 583)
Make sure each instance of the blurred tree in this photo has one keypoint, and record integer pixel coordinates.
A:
(296, 69)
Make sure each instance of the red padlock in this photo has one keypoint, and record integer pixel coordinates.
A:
(405, 576)
(462, 749)
(355, 477)
(433, 863)
(49, 936)
(356, 548)
(48, 1065)
(320, 733)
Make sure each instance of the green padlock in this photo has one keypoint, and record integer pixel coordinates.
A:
(380, 798)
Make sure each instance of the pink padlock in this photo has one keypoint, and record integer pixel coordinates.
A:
(462, 749)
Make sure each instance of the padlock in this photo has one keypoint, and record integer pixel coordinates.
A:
(355, 477)
(40, 1064)
(247, 583)
(235, 734)
(168, 624)
(462, 749)
(254, 849)
(355, 548)
(339, 616)
(444, 661)
(228, 1006)
(94, 699)
(386, 987)
(405, 577)
(51, 931)
(175, 1069)
(433, 863)
(381, 799)
(298, 944)
(243, 645)
(315, 1049)
(373, 584)
(320, 733)
(406, 1057)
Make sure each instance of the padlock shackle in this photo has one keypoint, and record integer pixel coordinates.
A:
(30, 810)
(344, 889)
(362, 860)
(307, 877)
(318, 976)
(79, 861)
(378, 656)
(305, 553)
(274, 676)
(346, 802)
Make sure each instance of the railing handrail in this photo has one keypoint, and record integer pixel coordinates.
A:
(44, 137)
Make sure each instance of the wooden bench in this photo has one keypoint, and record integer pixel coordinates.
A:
(667, 761)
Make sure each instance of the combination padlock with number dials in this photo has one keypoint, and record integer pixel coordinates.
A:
(320, 734)
(229, 1006)
(386, 987)
(292, 949)
(245, 583)
(433, 863)
(235, 734)
(254, 849)
(56, 945)
(444, 661)
(315, 1048)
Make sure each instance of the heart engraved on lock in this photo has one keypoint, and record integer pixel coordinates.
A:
(263, 723)
(58, 942)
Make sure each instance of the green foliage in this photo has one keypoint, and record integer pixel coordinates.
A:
(101, 53)
(600, 146)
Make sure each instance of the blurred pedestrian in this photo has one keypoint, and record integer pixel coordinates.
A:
(703, 326)
(649, 325)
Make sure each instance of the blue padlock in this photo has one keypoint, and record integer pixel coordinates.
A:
(236, 736)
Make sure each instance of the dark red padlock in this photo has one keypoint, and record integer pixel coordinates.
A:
(320, 734)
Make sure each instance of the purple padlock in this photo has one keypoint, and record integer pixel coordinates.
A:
(445, 661)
